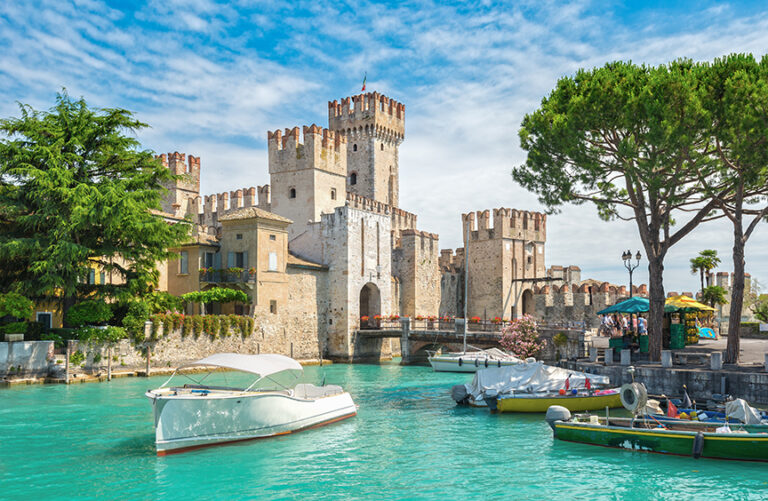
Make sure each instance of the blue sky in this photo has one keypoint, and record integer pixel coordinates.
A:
(212, 77)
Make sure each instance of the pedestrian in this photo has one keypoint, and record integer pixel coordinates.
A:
(642, 326)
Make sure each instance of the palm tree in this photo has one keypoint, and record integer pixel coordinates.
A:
(705, 262)
(713, 295)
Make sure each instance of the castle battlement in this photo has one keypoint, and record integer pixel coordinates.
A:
(401, 219)
(506, 223)
(321, 149)
(372, 112)
(177, 163)
(210, 207)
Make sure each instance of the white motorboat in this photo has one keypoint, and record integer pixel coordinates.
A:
(195, 415)
(471, 361)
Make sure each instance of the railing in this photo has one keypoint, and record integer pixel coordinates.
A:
(449, 324)
(225, 276)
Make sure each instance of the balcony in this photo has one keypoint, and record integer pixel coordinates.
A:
(224, 276)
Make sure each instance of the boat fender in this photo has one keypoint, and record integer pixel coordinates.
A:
(634, 396)
(475, 362)
(698, 445)
(460, 361)
(557, 413)
(491, 398)
(486, 363)
(499, 362)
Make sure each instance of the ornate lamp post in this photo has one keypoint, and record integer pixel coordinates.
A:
(627, 257)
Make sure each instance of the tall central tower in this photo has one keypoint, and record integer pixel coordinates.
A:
(374, 127)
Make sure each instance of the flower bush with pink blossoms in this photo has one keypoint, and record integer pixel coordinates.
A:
(521, 337)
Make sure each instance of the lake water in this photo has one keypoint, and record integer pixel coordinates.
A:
(409, 441)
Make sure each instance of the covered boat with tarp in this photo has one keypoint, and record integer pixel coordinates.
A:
(471, 361)
(534, 386)
(195, 415)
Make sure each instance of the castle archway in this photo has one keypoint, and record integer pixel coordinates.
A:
(370, 305)
(528, 306)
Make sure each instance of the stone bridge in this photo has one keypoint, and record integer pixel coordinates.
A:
(419, 337)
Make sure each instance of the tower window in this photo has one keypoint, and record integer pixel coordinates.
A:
(353, 178)
(382, 146)
(292, 193)
(333, 193)
(354, 147)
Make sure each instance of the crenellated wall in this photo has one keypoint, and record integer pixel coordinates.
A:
(178, 201)
(580, 303)
(415, 263)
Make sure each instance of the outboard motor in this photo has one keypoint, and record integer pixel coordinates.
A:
(557, 413)
(490, 396)
(460, 394)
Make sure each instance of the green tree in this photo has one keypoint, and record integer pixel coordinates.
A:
(15, 305)
(77, 191)
(713, 295)
(705, 262)
(737, 100)
(635, 142)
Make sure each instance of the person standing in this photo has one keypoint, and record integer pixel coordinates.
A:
(642, 328)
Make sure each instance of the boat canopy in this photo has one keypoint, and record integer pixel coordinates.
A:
(263, 366)
(534, 377)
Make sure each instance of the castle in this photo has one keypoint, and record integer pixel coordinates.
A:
(324, 250)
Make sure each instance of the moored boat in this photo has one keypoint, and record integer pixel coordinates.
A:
(534, 386)
(696, 439)
(471, 361)
(192, 416)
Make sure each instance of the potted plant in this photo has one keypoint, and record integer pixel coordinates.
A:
(377, 321)
(364, 321)
(252, 272)
(560, 340)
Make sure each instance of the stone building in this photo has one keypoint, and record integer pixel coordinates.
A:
(324, 249)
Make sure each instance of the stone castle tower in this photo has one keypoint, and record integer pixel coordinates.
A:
(506, 254)
(183, 191)
(374, 127)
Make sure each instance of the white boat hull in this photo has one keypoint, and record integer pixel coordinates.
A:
(449, 364)
(186, 422)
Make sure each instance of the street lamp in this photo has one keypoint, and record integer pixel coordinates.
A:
(627, 257)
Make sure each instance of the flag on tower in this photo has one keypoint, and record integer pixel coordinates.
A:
(365, 77)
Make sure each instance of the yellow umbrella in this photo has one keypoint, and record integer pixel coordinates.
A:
(687, 302)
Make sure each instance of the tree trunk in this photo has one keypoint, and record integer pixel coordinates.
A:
(66, 304)
(656, 313)
(737, 295)
(701, 273)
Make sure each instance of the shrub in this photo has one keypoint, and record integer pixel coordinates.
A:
(560, 339)
(58, 341)
(187, 325)
(14, 328)
(224, 321)
(162, 302)
(521, 338)
(216, 295)
(138, 313)
(15, 305)
(88, 312)
(109, 334)
(77, 358)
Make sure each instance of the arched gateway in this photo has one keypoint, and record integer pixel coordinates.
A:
(370, 305)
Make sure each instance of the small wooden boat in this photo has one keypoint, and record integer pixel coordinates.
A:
(582, 401)
(696, 439)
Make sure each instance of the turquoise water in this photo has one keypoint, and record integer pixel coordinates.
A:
(409, 441)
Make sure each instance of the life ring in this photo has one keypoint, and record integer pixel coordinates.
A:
(460, 361)
(634, 397)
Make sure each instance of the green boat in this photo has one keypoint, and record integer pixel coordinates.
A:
(705, 440)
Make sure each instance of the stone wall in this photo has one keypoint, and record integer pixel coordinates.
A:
(415, 264)
(571, 303)
(25, 358)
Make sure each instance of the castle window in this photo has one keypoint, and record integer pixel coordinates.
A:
(273, 261)
(382, 146)
(333, 193)
(272, 306)
(239, 236)
(183, 262)
(292, 193)
(354, 147)
(353, 178)
(272, 237)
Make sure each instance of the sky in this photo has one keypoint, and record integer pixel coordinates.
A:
(211, 78)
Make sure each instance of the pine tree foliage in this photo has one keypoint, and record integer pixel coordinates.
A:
(77, 192)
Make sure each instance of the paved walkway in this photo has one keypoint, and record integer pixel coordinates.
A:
(752, 351)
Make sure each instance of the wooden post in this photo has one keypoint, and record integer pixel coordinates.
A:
(109, 363)
(149, 356)
(66, 361)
